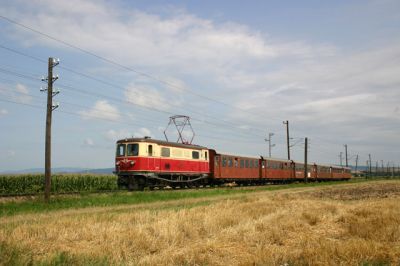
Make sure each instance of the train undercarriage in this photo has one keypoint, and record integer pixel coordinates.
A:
(140, 181)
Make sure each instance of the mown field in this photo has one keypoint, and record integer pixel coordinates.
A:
(344, 224)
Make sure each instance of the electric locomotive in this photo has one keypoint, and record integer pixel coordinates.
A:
(145, 162)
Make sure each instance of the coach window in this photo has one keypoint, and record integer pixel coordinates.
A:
(236, 162)
(247, 163)
(256, 164)
(216, 160)
(195, 155)
(241, 163)
(121, 150)
(230, 162)
(223, 161)
(251, 164)
(165, 152)
(150, 150)
(133, 149)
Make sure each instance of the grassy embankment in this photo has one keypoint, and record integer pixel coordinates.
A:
(347, 224)
(12, 206)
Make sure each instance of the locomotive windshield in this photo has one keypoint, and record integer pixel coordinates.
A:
(133, 149)
(121, 150)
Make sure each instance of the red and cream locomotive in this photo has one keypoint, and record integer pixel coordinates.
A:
(145, 162)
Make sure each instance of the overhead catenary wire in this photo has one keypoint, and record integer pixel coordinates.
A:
(141, 73)
(41, 107)
(129, 68)
(60, 85)
(121, 88)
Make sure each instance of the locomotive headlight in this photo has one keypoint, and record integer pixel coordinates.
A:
(132, 163)
(117, 163)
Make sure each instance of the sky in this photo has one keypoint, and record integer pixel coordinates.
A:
(238, 69)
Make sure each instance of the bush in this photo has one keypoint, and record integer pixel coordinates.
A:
(60, 183)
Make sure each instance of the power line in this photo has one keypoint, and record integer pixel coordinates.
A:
(122, 66)
(121, 88)
(121, 122)
(116, 99)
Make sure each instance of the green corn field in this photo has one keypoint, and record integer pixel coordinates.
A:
(60, 183)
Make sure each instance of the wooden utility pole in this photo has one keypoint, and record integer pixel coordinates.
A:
(341, 158)
(345, 148)
(356, 162)
(287, 138)
(50, 107)
(370, 165)
(305, 160)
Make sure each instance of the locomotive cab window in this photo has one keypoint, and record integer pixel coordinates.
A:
(150, 150)
(206, 155)
(133, 149)
(165, 152)
(121, 150)
(195, 155)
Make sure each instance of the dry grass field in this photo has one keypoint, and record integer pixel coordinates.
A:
(349, 224)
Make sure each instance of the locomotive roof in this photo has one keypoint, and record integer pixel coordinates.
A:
(162, 142)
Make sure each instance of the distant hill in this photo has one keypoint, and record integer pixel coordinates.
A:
(62, 170)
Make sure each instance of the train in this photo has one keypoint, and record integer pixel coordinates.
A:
(146, 162)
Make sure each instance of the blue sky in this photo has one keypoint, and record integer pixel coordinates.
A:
(329, 67)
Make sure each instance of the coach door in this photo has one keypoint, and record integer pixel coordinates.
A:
(153, 161)
(217, 166)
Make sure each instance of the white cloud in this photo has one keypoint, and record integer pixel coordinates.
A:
(146, 96)
(19, 93)
(329, 90)
(23, 94)
(180, 40)
(143, 132)
(3, 112)
(103, 110)
(88, 142)
(114, 135)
